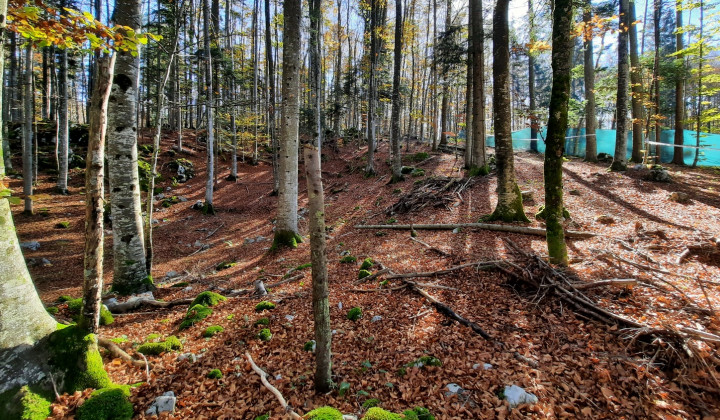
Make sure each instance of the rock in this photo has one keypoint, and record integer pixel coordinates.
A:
(658, 174)
(456, 230)
(155, 222)
(168, 188)
(182, 199)
(289, 317)
(188, 356)
(197, 206)
(198, 244)
(376, 318)
(260, 239)
(679, 197)
(527, 195)
(160, 196)
(638, 166)
(187, 289)
(604, 157)
(345, 253)
(487, 366)
(574, 192)
(32, 245)
(170, 274)
(605, 219)
(248, 241)
(163, 404)
(453, 389)
(340, 306)
(516, 396)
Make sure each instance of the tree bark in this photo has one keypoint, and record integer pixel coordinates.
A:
(129, 271)
(315, 78)
(318, 258)
(636, 88)
(286, 230)
(208, 207)
(620, 158)
(557, 127)
(478, 100)
(63, 125)
(509, 206)
(589, 78)
(445, 103)
(95, 195)
(396, 102)
(28, 118)
(531, 82)
(271, 95)
(678, 155)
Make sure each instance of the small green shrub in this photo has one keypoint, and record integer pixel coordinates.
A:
(370, 403)
(208, 299)
(354, 314)
(324, 413)
(367, 263)
(363, 273)
(215, 374)
(348, 259)
(427, 361)
(421, 413)
(194, 315)
(419, 156)
(264, 305)
(265, 334)
(62, 225)
(109, 403)
(212, 330)
(64, 298)
(262, 321)
(343, 389)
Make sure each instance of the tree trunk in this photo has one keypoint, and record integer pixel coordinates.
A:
(637, 89)
(557, 127)
(28, 130)
(698, 114)
(656, 74)
(469, 94)
(620, 159)
(678, 154)
(129, 272)
(509, 206)
(478, 62)
(315, 64)
(318, 258)
(271, 95)
(63, 124)
(531, 82)
(445, 104)
(589, 78)
(208, 207)
(396, 103)
(95, 195)
(286, 230)
(338, 75)
(372, 85)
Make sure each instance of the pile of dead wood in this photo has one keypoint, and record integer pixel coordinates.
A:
(437, 191)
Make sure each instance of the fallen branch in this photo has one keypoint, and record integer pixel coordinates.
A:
(278, 395)
(432, 248)
(603, 283)
(241, 292)
(372, 276)
(116, 351)
(486, 226)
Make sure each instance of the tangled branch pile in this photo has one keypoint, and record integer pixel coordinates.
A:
(433, 191)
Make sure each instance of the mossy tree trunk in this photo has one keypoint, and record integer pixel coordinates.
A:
(396, 102)
(557, 127)
(478, 92)
(95, 194)
(589, 78)
(509, 206)
(620, 159)
(129, 270)
(286, 230)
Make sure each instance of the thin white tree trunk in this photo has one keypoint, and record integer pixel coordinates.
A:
(28, 131)
(63, 124)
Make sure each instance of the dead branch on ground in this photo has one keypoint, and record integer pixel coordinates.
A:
(486, 226)
(116, 351)
(263, 378)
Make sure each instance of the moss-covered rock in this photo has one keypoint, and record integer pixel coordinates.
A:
(215, 374)
(74, 354)
(367, 263)
(208, 299)
(225, 265)
(364, 273)
(324, 413)
(212, 330)
(377, 413)
(109, 403)
(264, 305)
(541, 214)
(348, 259)
(181, 284)
(354, 314)
(420, 413)
(262, 321)
(265, 334)
(285, 239)
(195, 314)
(172, 343)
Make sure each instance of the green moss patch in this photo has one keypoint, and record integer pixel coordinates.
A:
(418, 413)
(354, 314)
(225, 265)
(75, 353)
(377, 413)
(26, 403)
(262, 321)
(363, 273)
(172, 343)
(367, 263)
(426, 361)
(195, 314)
(109, 403)
(324, 413)
(181, 284)
(417, 172)
(285, 239)
(265, 334)
(348, 259)
(303, 266)
(215, 374)
(264, 305)
(418, 157)
(309, 345)
(212, 330)
(52, 310)
(75, 308)
(62, 225)
(208, 299)
(372, 402)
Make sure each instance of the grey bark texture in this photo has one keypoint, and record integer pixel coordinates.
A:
(208, 207)
(396, 102)
(620, 159)
(636, 88)
(589, 77)
(678, 158)
(129, 272)
(28, 118)
(63, 123)
(478, 100)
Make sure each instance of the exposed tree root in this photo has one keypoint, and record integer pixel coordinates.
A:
(116, 351)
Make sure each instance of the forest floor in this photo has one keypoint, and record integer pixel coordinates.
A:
(584, 368)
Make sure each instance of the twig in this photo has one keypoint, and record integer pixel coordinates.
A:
(216, 229)
(147, 367)
(432, 248)
(603, 283)
(278, 395)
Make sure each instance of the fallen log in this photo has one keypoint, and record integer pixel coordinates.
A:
(485, 226)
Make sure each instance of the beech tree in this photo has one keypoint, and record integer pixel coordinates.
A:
(619, 162)
(478, 89)
(396, 103)
(589, 79)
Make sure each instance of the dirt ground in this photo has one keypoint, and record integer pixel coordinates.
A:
(584, 368)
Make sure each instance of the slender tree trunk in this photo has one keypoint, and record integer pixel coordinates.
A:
(396, 103)
(637, 89)
(678, 154)
(63, 124)
(129, 271)
(445, 104)
(469, 94)
(372, 85)
(286, 230)
(208, 207)
(478, 62)
(315, 64)
(531, 82)
(28, 131)
(557, 127)
(338, 75)
(589, 78)
(656, 73)
(698, 116)
(620, 159)
(509, 206)
(95, 195)
(271, 95)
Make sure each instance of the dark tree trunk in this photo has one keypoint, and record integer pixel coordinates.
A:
(589, 78)
(396, 103)
(531, 82)
(620, 159)
(479, 162)
(679, 94)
